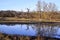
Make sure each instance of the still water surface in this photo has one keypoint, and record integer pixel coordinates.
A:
(32, 29)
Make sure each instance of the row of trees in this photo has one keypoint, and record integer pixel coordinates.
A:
(48, 11)
(46, 7)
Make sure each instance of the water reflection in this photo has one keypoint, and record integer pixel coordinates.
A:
(17, 29)
(41, 29)
(49, 30)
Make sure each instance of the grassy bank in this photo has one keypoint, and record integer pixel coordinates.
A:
(16, 37)
(23, 20)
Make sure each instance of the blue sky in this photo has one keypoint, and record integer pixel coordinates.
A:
(23, 4)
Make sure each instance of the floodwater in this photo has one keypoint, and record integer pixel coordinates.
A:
(42, 29)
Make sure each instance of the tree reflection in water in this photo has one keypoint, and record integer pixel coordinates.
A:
(46, 29)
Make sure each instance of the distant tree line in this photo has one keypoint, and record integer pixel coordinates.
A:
(17, 14)
(7, 13)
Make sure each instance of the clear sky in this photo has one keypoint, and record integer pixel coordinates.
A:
(23, 4)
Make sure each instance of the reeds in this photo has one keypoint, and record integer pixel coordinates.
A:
(13, 37)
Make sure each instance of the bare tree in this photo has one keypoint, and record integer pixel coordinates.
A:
(39, 6)
(45, 8)
(28, 10)
(52, 7)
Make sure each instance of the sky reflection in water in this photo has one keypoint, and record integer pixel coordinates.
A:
(17, 29)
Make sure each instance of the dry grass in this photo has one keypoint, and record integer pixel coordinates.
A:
(14, 37)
